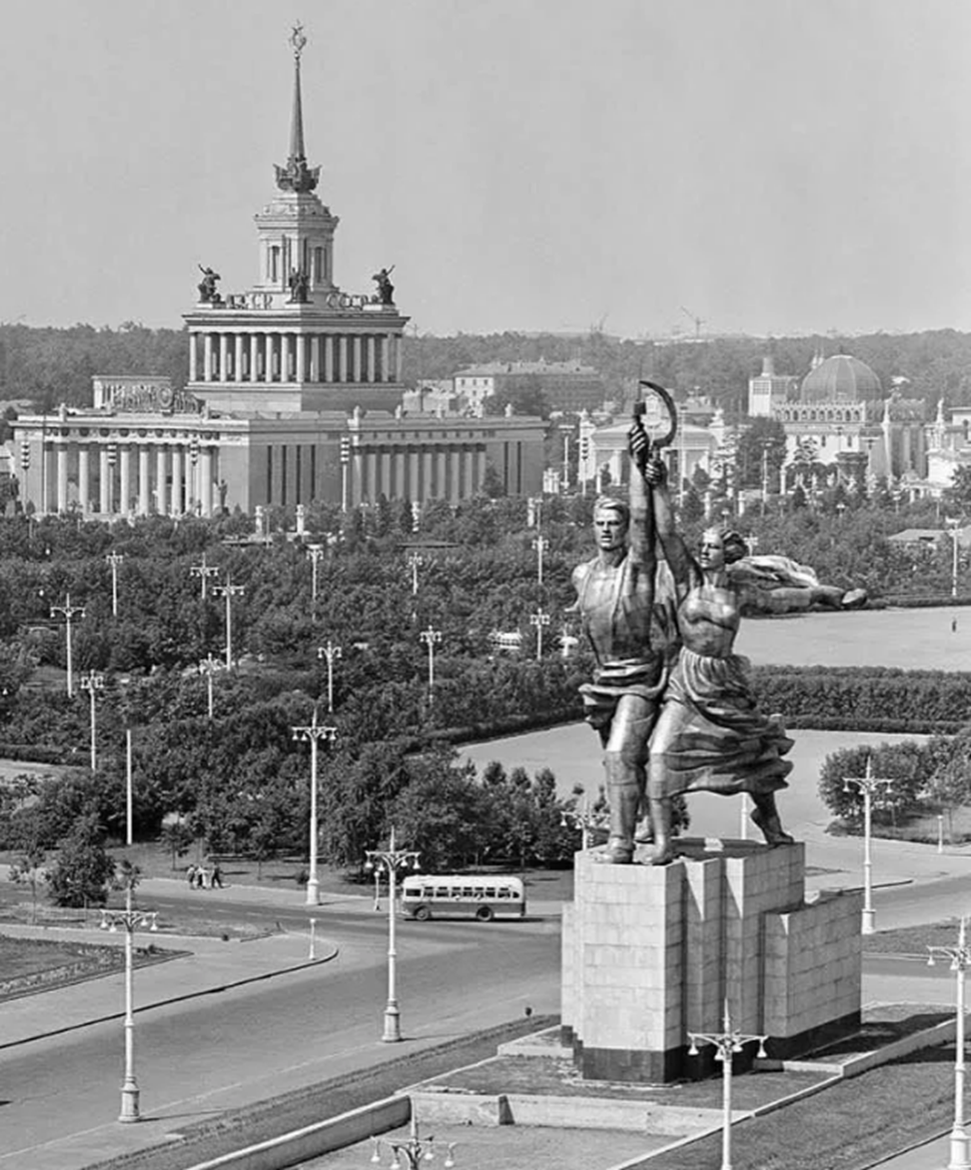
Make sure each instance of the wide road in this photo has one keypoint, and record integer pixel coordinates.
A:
(217, 1052)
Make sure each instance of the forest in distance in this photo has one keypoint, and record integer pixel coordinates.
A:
(45, 366)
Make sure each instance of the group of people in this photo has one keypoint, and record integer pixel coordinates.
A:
(201, 877)
(670, 699)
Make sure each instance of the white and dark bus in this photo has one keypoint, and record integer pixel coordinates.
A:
(425, 896)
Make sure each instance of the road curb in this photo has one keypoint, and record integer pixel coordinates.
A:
(168, 1001)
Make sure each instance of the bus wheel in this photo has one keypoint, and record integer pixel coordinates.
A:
(484, 914)
(423, 914)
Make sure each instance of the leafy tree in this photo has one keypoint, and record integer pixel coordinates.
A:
(765, 437)
(81, 871)
(176, 836)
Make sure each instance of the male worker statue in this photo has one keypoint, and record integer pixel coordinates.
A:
(615, 598)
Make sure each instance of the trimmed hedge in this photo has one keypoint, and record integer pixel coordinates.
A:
(866, 698)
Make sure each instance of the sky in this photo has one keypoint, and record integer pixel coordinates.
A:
(781, 167)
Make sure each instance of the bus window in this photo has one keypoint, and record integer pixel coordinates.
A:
(490, 892)
(443, 892)
(502, 892)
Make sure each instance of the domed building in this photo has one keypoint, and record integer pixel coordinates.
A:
(842, 416)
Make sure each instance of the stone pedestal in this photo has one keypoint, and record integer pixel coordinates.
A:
(652, 953)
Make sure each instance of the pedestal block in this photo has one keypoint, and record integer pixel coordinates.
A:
(651, 953)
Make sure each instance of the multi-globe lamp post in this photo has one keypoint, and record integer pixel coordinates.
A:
(409, 1153)
(229, 591)
(867, 785)
(93, 682)
(113, 560)
(431, 638)
(315, 554)
(415, 562)
(727, 1042)
(539, 619)
(332, 653)
(389, 862)
(959, 957)
(313, 732)
(203, 572)
(209, 666)
(540, 544)
(69, 612)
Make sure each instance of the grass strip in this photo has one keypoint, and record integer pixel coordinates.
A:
(279, 1115)
(853, 1125)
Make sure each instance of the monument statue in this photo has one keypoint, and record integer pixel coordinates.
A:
(207, 286)
(710, 735)
(299, 282)
(385, 287)
(616, 603)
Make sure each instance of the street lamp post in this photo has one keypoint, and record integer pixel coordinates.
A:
(208, 666)
(203, 572)
(333, 654)
(130, 920)
(389, 861)
(727, 1042)
(867, 784)
(92, 682)
(315, 552)
(69, 611)
(114, 560)
(313, 732)
(415, 561)
(431, 637)
(959, 957)
(410, 1153)
(539, 619)
(953, 525)
(229, 591)
(585, 820)
(539, 544)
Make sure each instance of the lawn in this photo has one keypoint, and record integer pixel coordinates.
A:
(35, 965)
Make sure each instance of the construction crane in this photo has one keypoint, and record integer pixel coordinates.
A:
(699, 321)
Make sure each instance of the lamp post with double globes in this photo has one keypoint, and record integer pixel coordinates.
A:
(313, 732)
(203, 572)
(959, 957)
(409, 1153)
(415, 562)
(539, 619)
(208, 666)
(93, 682)
(389, 861)
(431, 637)
(540, 544)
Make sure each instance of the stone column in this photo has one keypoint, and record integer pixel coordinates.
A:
(161, 474)
(144, 498)
(300, 341)
(124, 504)
(328, 343)
(386, 357)
(397, 358)
(193, 359)
(254, 357)
(358, 373)
(372, 365)
(238, 358)
(284, 357)
(441, 475)
(342, 354)
(207, 357)
(315, 358)
(84, 476)
(178, 496)
(468, 468)
(413, 458)
(399, 459)
(104, 475)
(455, 475)
(205, 484)
(223, 357)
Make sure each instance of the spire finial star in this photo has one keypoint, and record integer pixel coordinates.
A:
(298, 41)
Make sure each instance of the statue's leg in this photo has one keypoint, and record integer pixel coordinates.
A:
(766, 816)
(624, 758)
(658, 785)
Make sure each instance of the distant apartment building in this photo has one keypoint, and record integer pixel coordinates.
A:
(567, 386)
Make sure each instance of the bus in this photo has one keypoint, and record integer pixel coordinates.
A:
(425, 896)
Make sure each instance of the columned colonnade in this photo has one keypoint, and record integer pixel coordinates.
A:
(269, 356)
(129, 477)
(451, 472)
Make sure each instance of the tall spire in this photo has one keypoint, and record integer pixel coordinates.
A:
(296, 175)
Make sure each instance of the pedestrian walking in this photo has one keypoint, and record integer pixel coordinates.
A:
(190, 876)
(217, 877)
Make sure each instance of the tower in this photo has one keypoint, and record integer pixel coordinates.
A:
(294, 341)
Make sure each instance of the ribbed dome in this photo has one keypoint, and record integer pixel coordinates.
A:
(840, 379)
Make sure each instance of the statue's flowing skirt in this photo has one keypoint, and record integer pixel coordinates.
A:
(711, 736)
